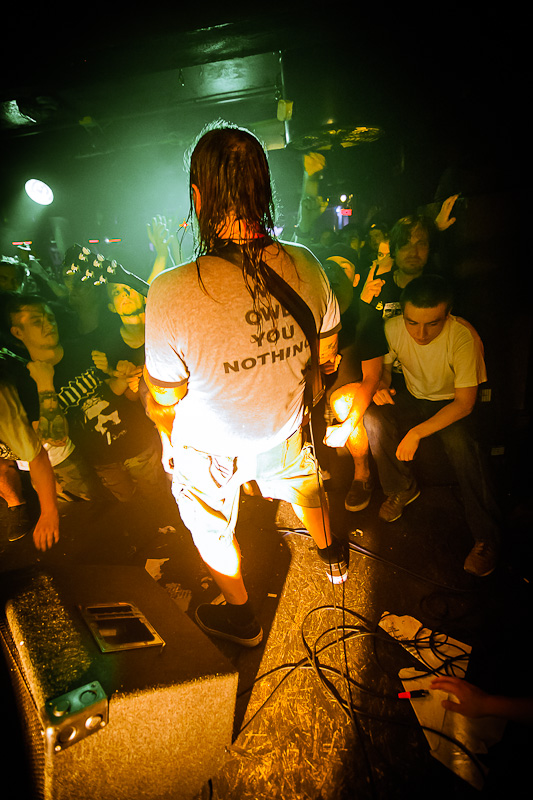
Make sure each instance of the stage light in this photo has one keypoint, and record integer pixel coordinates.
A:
(39, 192)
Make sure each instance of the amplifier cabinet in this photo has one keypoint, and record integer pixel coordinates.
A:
(120, 695)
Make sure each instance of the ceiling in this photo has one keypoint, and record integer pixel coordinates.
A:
(107, 72)
(115, 102)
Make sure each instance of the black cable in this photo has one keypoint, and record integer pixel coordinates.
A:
(447, 664)
(307, 662)
(312, 655)
(320, 490)
(376, 557)
(311, 662)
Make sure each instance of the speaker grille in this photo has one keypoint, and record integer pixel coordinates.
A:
(170, 707)
(32, 728)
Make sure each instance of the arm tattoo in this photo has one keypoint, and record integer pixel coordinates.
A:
(53, 427)
(328, 352)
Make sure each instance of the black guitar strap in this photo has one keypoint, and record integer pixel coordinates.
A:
(298, 308)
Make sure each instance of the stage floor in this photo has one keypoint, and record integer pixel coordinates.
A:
(326, 723)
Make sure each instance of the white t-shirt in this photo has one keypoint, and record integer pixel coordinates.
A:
(56, 454)
(244, 385)
(17, 437)
(453, 360)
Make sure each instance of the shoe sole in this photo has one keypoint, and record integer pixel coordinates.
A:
(228, 637)
(401, 512)
(336, 579)
(335, 563)
(480, 574)
(16, 537)
(357, 508)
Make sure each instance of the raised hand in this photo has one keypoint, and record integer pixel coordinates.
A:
(43, 374)
(159, 234)
(130, 373)
(373, 286)
(443, 220)
(314, 163)
(100, 361)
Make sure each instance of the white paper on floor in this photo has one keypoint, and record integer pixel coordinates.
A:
(153, 567)
(182, 597)
(444, 656)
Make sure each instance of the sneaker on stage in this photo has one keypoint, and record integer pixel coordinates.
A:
(335, 559)
(216, 620)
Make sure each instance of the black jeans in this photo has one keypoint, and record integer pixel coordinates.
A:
(386, 425)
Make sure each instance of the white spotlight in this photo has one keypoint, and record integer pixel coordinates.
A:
(39, 192)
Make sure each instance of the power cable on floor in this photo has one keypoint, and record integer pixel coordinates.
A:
(376, 557)
(312, 662)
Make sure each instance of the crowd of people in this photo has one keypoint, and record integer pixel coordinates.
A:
(114, 387)
(72, 359)
(410, 369)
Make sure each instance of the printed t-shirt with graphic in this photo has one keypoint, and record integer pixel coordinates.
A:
(245, 383)
(107, 428)
(453, 360)
(387, 303)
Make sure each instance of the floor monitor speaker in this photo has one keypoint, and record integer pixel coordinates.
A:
(119, 694)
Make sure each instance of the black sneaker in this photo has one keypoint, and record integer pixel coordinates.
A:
(215, 620)
(393, 507)
(336, 562)
(18, 522)
(358, 496)
(481, 560)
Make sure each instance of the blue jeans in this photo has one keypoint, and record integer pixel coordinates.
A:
(386, 425)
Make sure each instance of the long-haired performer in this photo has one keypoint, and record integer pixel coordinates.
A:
(226, 364)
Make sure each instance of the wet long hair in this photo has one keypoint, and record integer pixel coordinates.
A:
(229, 166)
